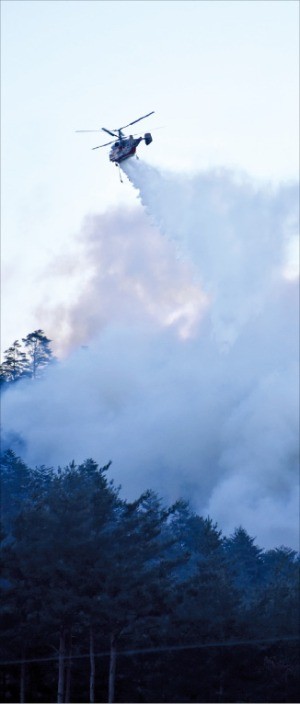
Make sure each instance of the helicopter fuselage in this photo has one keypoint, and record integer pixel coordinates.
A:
(123, 149)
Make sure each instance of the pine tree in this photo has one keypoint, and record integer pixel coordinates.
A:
(279, 606)
(15, 364)
(19, 623)
(38, 352)
(244, 560)
(16, 480)
(206, 598)
(57, 553)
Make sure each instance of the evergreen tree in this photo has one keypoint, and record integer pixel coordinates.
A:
(195, 538)
(15, 479)
(38, 352)
(138, 577)
(50, 560)
(279, 606)
(15, 364)
(206, 597)
(245, 563)
(19, 625)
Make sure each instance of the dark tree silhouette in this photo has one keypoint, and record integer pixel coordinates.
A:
(85, 571)
(39, 353)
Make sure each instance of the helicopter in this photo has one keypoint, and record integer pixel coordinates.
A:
(123, 147)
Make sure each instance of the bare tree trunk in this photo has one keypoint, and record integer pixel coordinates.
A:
(68, 669)
(112, 668)
(92, 667)
(61, 667)
(22, 680)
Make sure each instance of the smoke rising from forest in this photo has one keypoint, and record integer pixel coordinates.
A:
(182, 345)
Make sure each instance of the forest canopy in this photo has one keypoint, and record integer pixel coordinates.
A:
(105, 599)
(109, 600)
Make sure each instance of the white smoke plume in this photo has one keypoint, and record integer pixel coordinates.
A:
(185, 366)
(235, 232)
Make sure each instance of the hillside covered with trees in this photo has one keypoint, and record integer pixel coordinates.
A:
(106, 600)
(109, 600)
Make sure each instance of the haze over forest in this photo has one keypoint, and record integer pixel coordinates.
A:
(177, 360)
(179, 351)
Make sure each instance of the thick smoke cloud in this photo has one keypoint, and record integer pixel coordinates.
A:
(235, 232)
(123, 272)
(185, 352)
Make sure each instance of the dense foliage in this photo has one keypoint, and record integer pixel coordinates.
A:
(109, 600)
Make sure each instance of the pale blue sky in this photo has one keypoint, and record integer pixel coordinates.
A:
(222, 77)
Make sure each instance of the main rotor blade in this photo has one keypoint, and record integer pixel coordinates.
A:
(87, 130)
(139, 118)
(109, 132)
(104, 145)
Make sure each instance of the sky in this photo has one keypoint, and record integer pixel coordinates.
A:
(171, 298)
(222, 78)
